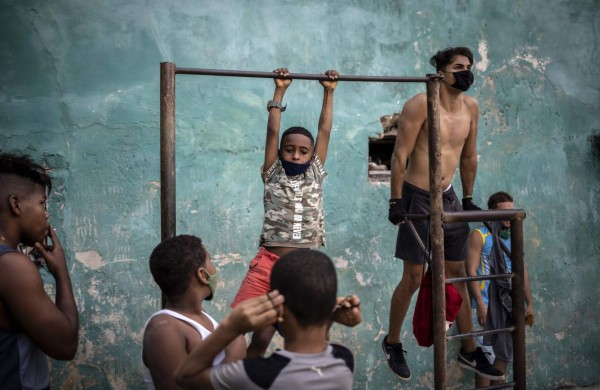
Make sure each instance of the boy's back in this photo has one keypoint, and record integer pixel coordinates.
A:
(285, 370)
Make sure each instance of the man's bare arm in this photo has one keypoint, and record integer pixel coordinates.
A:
(52, 327)
(412, 117)
(528, 297)
(468, 157)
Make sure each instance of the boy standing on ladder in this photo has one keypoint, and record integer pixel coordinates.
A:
(459, 116)
(293, 199)
(484, 260)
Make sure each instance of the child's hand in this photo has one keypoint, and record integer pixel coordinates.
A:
(529, 316)
(347, 311)
(54, 254)
(332, 82)
(279, 81)
(257, 313)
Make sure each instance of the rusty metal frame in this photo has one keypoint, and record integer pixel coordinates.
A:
(437, 217)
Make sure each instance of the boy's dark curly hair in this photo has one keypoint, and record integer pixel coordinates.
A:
(297, 130)
(308, 281)
(174, 261)
(498, 197)
(24, 167)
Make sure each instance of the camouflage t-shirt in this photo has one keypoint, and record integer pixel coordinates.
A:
(294, 207)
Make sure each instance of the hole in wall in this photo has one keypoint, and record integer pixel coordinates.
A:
(595, 141)
(381, 147)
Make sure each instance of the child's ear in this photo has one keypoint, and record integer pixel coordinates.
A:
(15, 204)
(201, 275)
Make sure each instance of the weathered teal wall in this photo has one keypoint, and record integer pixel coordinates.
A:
(79, 84)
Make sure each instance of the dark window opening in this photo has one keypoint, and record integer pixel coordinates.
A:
(381, 147)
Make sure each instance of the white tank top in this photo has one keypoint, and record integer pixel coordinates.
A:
(202, 330)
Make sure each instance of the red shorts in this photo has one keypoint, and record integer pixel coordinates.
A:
(257, 280)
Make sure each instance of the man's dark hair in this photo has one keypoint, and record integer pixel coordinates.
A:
(297, 130)
(24, 167)
(446, 56)
(174, 261)
(307, 280)
(498, 197)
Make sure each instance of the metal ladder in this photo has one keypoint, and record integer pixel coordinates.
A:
(437, 217)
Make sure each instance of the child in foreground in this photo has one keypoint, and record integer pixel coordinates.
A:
(183, 270)
(302, 306)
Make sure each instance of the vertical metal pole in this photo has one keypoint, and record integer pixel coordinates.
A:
(167, 152)
(437, 234)
(518, 299)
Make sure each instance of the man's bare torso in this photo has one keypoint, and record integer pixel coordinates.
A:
(454, 130)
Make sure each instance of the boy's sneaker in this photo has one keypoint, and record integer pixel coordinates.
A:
(478, 362)
(395, 358)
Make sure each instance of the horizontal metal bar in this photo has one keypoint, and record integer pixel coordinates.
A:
(299, 76)
(479, 277)
(479, 333)
(483, 215)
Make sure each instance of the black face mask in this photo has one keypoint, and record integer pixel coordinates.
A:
(294, 169)
(463, 80)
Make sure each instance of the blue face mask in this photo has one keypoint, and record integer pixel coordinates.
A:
(294, 169)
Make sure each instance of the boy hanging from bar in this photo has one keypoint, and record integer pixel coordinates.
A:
(293, 176)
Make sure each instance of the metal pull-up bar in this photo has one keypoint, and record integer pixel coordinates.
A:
(300, 76)
(168, 71)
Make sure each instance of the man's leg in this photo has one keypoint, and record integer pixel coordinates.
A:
(410, 282)
(412, 275)
(500, 364)
(481, 381)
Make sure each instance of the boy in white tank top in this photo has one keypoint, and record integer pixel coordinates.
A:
(182, 268)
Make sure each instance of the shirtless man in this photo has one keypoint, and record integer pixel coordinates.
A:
(459, 115)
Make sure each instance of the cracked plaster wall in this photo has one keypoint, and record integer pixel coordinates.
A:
(79, 90)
